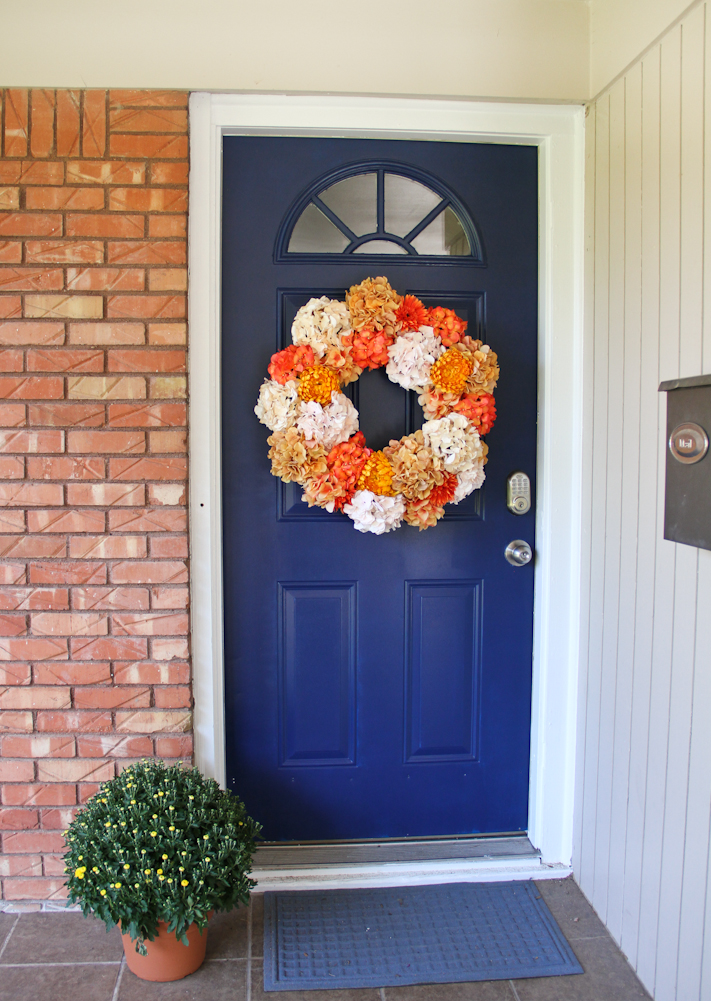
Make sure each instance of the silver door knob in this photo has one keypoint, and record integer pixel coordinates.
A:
(518, 553)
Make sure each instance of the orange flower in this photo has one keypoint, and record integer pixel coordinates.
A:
(436, 404)
(377, 475)
(447, 325)
(321, 491)
(444, 492)
(423, 513)
(411, 313)
(289, 363)
(317, 384)
(479, 409)
(345, 464)
(451, 371)
(343, 363)
(368, 347)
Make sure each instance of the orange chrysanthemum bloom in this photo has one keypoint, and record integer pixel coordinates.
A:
(444, 492)
(451, 371)
(411, 314)
(377, 475)
(317, 384)
(447, 325)
(369, 348)
(478, 408)
(345, 463)
(423, 513)
(291, 362)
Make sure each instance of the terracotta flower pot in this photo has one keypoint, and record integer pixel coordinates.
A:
(168, 958)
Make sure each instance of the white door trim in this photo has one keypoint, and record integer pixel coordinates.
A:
(558, 131)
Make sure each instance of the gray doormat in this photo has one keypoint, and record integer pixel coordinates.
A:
(389, 936)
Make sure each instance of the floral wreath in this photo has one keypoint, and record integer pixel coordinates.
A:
(316, 442)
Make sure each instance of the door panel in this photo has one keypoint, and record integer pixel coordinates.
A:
(377, 686)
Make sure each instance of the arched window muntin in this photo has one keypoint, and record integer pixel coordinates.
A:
(449, 199)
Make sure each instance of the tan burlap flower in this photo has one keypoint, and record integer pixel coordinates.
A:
(292, 460)
(485, 373)
(414, 471)
(374, 304)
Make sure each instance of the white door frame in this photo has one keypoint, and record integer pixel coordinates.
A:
(558, 131)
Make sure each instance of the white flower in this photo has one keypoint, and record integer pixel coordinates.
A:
(328, 425)
(468, 482)
(375, 513)
(320, 323)
(412, 355)
(277, 406)
(454, 442)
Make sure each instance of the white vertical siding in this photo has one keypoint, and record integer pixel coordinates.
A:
(643, 803)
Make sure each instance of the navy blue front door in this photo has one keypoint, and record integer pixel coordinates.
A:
(377, 686)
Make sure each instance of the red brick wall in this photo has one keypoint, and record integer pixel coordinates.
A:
(94, 668)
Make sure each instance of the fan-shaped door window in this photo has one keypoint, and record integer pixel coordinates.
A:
(379, 210)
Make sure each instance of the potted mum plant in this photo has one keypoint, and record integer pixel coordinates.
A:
(156, 851)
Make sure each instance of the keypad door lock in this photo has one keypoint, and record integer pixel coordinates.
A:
(518, 493)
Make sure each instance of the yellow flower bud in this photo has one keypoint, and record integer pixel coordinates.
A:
(184, 882)
(164, 856)
(127, 866)
(147, 872)
(154, 834)
(102, 892)
(117, 886)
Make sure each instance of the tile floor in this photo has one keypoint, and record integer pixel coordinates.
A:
(48, 955)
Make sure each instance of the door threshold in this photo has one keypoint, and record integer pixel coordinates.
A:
(287, 856)
(399, 863)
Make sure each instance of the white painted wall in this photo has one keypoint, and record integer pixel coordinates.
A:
(620, 30)
(644, 761)
(519, 49)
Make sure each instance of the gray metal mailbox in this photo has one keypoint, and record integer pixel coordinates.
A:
(687, 509)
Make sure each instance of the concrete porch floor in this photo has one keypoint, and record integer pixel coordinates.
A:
(54, 955)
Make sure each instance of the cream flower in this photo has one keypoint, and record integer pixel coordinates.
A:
(454, 442)
(277, 406)
(320, 324)
(411, 357)
(328, 425)
(468, 482)
(375, 513)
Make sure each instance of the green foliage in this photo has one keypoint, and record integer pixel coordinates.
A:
(159, 843)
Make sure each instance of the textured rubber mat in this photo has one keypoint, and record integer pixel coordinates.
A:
(385, 937)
